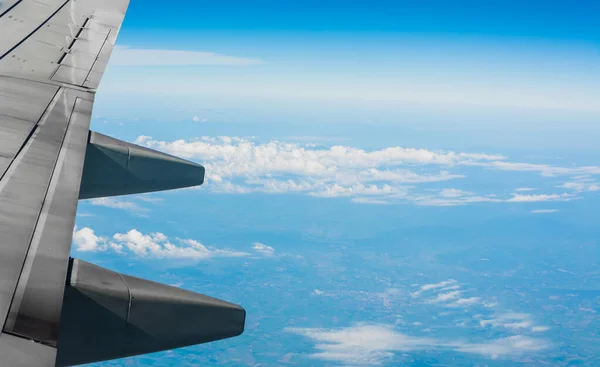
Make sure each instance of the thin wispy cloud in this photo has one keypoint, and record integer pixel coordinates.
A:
(544, 211)
(121, 204)
(518, 198)
(525, 189)
(432, 286)
(581, 186)
(128, 56)
(374, 344)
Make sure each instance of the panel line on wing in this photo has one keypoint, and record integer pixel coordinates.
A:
(35, 30)
(10, 8)
(28, 141)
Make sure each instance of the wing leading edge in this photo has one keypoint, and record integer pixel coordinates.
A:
(52, 56)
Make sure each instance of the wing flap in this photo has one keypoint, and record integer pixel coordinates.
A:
(38, 200)
(43, 276)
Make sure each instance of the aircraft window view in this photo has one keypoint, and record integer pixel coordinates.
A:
(310, 183)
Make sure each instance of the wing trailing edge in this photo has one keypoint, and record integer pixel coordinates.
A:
(113, 167)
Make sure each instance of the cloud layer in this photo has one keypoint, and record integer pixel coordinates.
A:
(389, 175)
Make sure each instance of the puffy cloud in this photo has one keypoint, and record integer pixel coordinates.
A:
(393, 174)
(153, 245)
(158, 245)
(85, 240)
(372, 345)
(263, 249)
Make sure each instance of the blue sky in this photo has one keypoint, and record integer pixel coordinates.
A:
(533, 55)
(422, 177)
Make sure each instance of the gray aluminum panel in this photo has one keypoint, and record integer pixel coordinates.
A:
(70, 75)
(35, 311)
(23, 191)
(81, 60)
(4, 163)
(19, 352)
(23, 19)
(6, 4)
(13, 133)
(23, 99)
(68, 33)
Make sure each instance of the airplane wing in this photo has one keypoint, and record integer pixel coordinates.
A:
(54, 310)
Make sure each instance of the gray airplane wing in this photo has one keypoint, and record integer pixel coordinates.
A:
(55, 310)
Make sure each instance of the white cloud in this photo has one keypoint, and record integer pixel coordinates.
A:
(372, 345)
(518, 198)
(525, 189)
(543, 169)
(539, 329)
(454, 193)
(510, 346)
(198, 119)
(363, 200)
(513, 321)
(158, 245)
(544, 211)
(581, 186)
(465, 302)
(86, 240)
(443, 297)
(263, 249)
(428, 287)
(388, 175)
(126, 56)
(120, 204)
(441, 201)
(153, 245)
